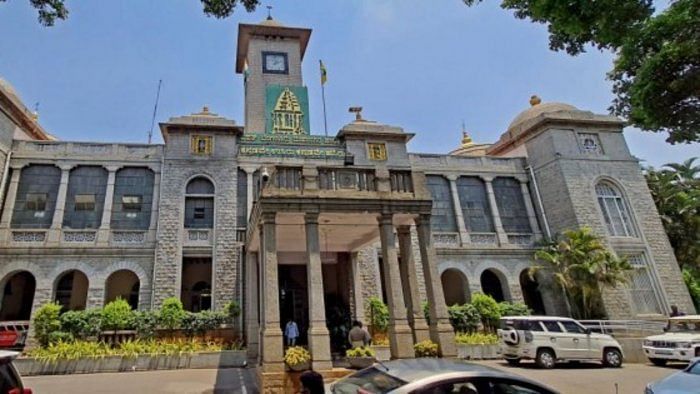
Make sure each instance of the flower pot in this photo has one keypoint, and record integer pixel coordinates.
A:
(360, 362)
(300, 367)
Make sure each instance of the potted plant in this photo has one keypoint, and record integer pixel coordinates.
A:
(360, 357)
(297, 358)
(380, 346)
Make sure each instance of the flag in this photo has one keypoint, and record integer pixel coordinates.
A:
(324, 74)
(246, 71)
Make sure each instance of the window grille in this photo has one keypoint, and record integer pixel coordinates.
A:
(131, 203)
(36, 201)
(511, 205)
(36, 180)
(87, 186)
(288, 178)
(84, 202)
(199, 204)
(475, 205)
(401, 181)
(614, 208)
(443, 214)
(641, 289)
(130, 184)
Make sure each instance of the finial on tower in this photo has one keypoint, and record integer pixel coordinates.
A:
(535, 100)
(269, 12)
(466, 139)
(357, 111)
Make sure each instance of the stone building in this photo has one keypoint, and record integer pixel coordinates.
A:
(294, 225)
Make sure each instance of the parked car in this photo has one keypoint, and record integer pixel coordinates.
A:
(685, 381)
(13, 334)
(680, 342)
(10, 381)
(548, 340)
(432, 376)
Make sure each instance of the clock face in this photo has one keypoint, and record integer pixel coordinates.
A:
(276, 62)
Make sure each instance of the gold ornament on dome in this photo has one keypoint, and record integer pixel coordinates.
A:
(377, 151)
(535, 100)
(287, 117)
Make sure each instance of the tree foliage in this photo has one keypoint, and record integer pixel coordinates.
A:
(51, 10)
(675, 189)
(581, 265)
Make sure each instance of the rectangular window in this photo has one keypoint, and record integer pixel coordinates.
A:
(131, 203)
(573, 327)
(36, 201)
(84, 202)
(199, 213)
(641, 290)
(551, 326)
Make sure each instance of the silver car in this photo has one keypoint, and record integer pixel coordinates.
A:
(685, 381)
(435, 376)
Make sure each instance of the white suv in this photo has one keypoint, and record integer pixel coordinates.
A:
(548, 339)
(681, 342)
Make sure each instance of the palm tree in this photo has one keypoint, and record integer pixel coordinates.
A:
(581, 265)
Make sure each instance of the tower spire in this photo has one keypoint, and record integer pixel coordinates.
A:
(269, 12)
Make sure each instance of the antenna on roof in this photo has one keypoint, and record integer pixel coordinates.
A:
(269, 12)
(155, 110)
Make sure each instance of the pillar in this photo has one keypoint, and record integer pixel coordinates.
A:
(531, 215)
(358, 309)
(155, 205)
(11, 197)
(319, 337)
(103, 232)
(252, 320)
(409, 280)
(57, 222)
(461, 224)
(400, 336)
(441, 331)
(250, 172)
(500, 232)
(272, 339)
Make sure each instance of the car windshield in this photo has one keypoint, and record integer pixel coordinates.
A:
(367, 381)
(694, 369)
(683, 326)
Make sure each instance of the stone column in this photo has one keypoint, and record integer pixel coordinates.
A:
(500, 232)
(440, 328)
(103, 232)
(251, 306)
(11, 197)
(531, 215)
(359, 301)
(319, 337)
(250, 186)
(272, 339)
(400, 336)
(409, 280)
(155, 205)
(57, 222)
(461, 224)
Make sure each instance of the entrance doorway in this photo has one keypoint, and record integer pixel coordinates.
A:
(196, 284)
(491, 284)
(531, 293)
(455, 287)
(294, 299)
(17, 296)
(71, 291)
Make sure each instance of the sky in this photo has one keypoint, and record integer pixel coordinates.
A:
(426, 66)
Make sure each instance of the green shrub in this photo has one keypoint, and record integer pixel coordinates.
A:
(117, 315)
(426, 348)
(692, 281)
(198, 323)
(361, 351)
(513, 309)
(296, 355)
(464, 318)
(476, 338)
(488, 310)
(379, 313)
(82, 324)
(145, 323)
(232, 310)
(46, 321)
(171, 313)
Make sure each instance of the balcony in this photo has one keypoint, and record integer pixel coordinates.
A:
(198, 237)
(347, 179)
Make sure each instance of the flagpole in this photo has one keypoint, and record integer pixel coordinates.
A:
(323, 96)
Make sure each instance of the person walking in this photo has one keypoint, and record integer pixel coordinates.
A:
(291, 331)
(358, 336)
(311, 383)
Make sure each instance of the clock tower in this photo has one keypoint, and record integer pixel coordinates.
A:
(269, 56)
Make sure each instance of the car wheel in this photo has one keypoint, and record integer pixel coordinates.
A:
(612, 358)
(513, 362)
(545, 359)
(659, 362)
(512, 337)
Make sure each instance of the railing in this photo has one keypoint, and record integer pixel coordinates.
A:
(401, 181)
(346, 179)
(198, 237)
(446, 240)
(520, 239)
(483, 238)
(287, 178)
(125, 237)
(625, 328)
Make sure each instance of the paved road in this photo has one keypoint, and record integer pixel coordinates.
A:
(573, 379)
(190, 381)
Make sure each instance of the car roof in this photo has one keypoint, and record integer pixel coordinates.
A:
(5, 354)
(685, 317)
(420, 368)
(553, 318)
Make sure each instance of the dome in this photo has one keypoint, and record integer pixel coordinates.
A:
(538, 109)
(270, 22)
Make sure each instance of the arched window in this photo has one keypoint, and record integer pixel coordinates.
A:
(443, 217)
(511, 205)
(615, 212)
(199, 203)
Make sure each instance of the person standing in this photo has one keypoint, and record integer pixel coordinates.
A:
(358, 336)
(675, 312)
(291, 331)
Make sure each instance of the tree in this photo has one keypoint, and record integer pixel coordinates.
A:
(656, 75)
(50, 10)
(581, 265)
(675, 189)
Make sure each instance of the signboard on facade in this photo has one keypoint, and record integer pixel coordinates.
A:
(286, 110)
